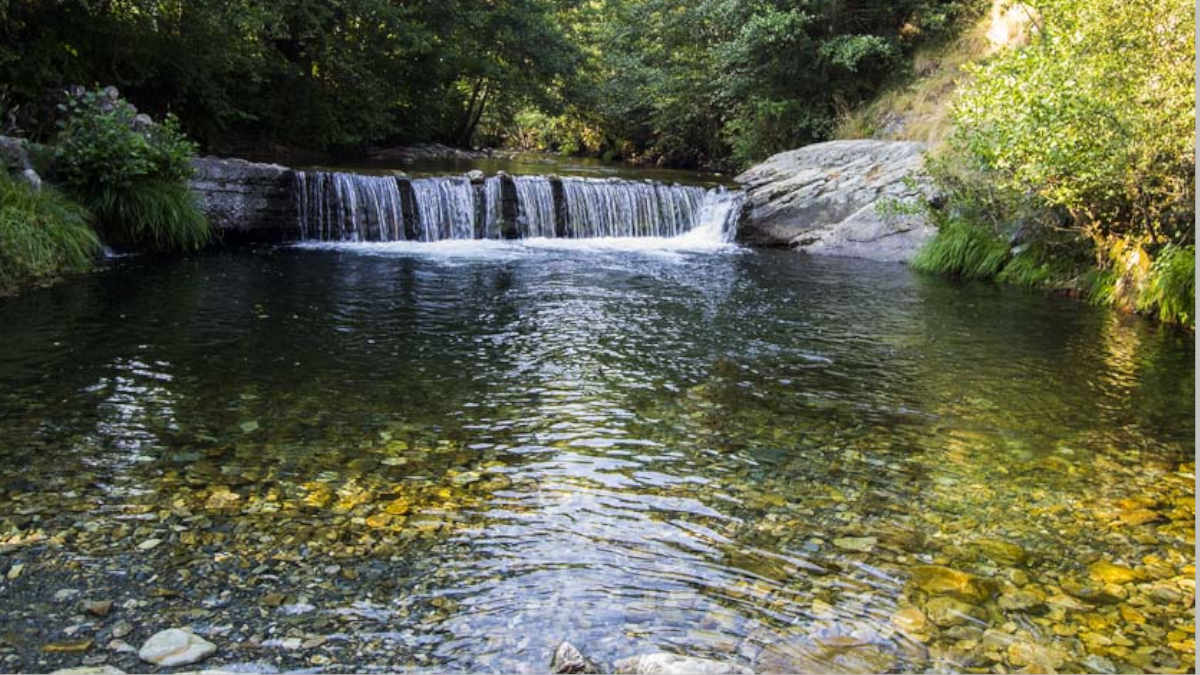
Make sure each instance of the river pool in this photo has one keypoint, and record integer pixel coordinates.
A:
(451, 456)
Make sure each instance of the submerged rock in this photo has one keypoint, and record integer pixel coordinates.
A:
(663, 663)
(89, 670)
(568, 659)
(858, 199)
(939, 580)
(175, 647)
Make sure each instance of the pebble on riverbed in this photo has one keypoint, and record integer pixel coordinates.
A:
(175, 647)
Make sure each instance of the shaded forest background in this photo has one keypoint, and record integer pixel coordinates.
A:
(713, 83)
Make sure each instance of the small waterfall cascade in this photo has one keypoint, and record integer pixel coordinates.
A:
(492, 207)
(445, 208)
(348, 207)
(615, 208)
(717, 219)
(335, 206)
(535, 199)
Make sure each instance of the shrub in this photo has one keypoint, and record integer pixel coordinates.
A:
(43, 234)
(130, 173)
(1096, 116)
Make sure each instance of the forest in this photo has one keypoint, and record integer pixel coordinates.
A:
(713, 83)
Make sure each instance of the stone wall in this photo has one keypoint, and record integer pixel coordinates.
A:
(245, 201)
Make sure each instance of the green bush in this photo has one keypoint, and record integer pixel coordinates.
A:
(130, 174)
(43, 234)
(1095, 117)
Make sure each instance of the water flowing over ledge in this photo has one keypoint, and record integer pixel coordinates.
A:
(345, 207)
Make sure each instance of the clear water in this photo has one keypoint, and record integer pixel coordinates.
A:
(634, 445)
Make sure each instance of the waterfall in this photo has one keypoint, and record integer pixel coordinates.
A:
(717, 219)
(492, 206)
(335, 206)
(349, 207)
(445, 208)
(615, 208)
(535, 204)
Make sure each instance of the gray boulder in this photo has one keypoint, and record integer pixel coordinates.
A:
(246, 199)
(856, 199)
(568, 659)
(14, 158)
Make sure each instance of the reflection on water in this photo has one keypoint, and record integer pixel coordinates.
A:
(789, 463)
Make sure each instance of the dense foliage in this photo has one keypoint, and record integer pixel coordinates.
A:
(713, 82)
(721, 83)
(1071, 160)
(43, 234)
(310, 73)
(130, 172)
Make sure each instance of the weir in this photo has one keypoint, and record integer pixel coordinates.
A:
(335, 206)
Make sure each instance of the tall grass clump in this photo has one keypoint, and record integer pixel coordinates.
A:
(131, 173)
(43, 235)
(964, 251)
(1170, 290)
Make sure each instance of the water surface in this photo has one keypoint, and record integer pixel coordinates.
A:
(454, 455)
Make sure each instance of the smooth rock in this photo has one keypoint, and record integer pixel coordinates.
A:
(1110, 573)
(939, 580)
(910, 620)
(1003, 552)
(89, 670)
(568, 659)
(175, 647)
(65, 594)
(663, 663)
(946, 611)
(121, 629)
(859, 199)
(859, 544)
(1021, 599)
(98, 607)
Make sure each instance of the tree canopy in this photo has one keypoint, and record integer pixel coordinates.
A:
(680, 82)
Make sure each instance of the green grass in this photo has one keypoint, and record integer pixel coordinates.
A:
(151, 215)
(1170, 290)
(43, 235)
(963, 251)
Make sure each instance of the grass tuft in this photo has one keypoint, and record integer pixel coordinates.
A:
(963, 251)
(1170, 291)
(156, 215)
(43, 235)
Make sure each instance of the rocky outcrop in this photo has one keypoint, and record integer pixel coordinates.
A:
(245, 200)
(14, 158)
(856, 199)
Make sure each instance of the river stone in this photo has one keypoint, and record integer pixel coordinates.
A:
(175, 647)
(568, 659)
(839, 198)
(663, 663)
(939, 580)
(859, 544)
(1016, 599)
(946, 611)
(1003, 552)
(89, 670)
(1110, 573)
